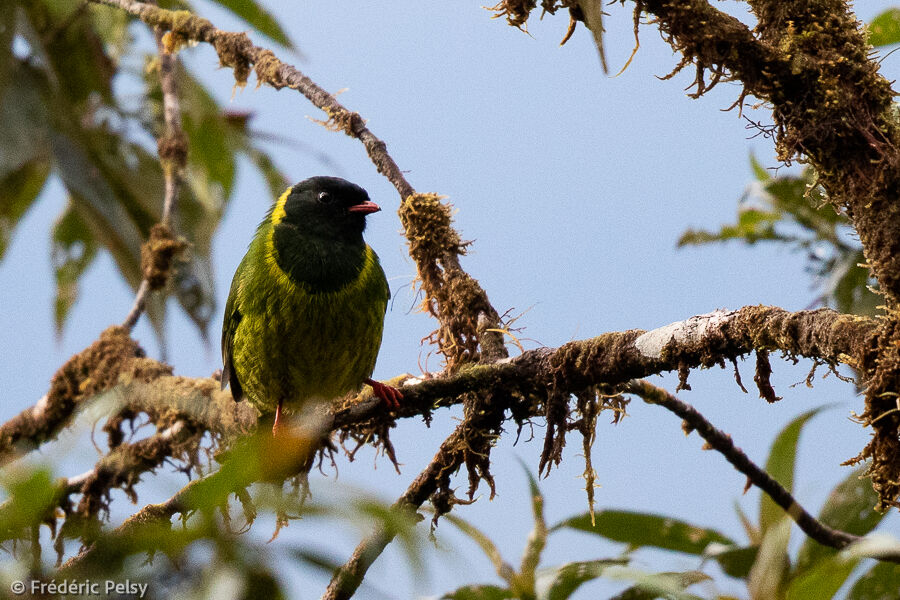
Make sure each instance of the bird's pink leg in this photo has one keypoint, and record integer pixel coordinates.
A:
(388, 393)
(277, 425)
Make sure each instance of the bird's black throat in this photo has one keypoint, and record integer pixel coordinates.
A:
(323, 263)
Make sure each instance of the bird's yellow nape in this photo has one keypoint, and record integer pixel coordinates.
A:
(278, 211)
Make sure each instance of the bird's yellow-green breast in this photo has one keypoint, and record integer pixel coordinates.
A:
(305, 313)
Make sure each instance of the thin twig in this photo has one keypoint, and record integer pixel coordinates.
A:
(722, 443)
(132, 459)
(172, 162)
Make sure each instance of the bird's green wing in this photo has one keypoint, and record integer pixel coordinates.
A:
(229, 326)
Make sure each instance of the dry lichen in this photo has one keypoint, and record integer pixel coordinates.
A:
(883, 412)
(172, 150)
(451, 295)
(158, 254)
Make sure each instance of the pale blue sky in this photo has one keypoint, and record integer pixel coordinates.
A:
(575, 187)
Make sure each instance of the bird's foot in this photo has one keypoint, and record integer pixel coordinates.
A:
(391, 395)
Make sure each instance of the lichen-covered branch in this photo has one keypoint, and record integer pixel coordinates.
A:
(537, 383)
(832, 109)
(115, 361)
(113, 358)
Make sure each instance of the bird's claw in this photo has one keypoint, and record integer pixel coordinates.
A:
(391, 395)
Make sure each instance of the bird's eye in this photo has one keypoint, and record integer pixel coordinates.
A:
(325, 197)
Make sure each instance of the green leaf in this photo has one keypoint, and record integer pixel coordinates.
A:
(881, 582)
(780, 465)
(753, 225)
(257, 17)
(884, 29)
(75, 56)
(750, 528)
(31, 496)
(74, 248)
(767, 578)
(822, 581)
(759, 171)
(23, 121)
(502, 568)
(106, 213)
(211, 141)
(531, 557)
(873, 545)
(112, 27)
(649, 586)
(849, 508)
(19, 190)
(559, 583)
(804, 201)
(398, 523)
(98, 205)
(642, 529)
(479, 592)
(275, 179)
(736, 562)
(848, 284)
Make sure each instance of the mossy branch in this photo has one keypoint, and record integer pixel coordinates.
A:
(833, 110)
(514, 386)
(518, 388)
(616, 357)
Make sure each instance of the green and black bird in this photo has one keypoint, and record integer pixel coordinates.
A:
(305, 314)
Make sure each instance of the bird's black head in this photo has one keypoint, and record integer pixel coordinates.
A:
(327, 207)
(317, 232)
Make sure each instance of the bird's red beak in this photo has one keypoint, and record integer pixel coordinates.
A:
(365, 208)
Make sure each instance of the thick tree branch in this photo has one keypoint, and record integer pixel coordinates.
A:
(498, 384)
(812, 62)
(612, 358)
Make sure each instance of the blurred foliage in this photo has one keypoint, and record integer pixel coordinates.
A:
(763, 563)
(884, 29)
(75, 106)
(207, 549)
(792, 210)
(530, 581)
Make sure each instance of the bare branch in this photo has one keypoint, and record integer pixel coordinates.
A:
(722, 443)
(160, 249)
